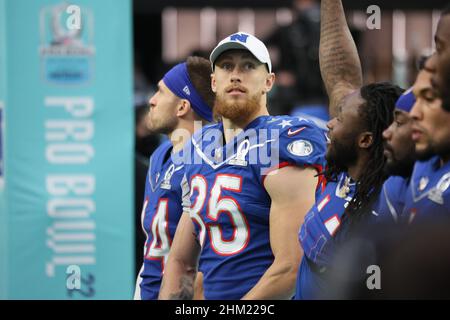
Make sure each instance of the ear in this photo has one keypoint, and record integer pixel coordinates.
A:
(365, 140)
(183, 108)
(270, 80)
(213, 83)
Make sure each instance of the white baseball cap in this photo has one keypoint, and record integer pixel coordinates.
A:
(242, 40)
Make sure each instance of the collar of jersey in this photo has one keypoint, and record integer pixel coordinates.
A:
(162, 165)
(253, 124)
(434, 164)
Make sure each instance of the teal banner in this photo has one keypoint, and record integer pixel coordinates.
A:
(3, 215)
(69, 149)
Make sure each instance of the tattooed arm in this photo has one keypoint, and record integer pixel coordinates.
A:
(339, 61)
(181, 269)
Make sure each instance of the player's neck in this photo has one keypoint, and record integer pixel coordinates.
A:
(357, 170)
(183, 133)
(445, 159)
(232, 128)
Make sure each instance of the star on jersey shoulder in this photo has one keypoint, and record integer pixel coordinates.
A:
(285, 123)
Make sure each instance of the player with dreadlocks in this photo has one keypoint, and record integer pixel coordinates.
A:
(361, 130)
(355, 152)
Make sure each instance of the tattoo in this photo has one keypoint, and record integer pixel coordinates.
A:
(187, 289)
(339, 60)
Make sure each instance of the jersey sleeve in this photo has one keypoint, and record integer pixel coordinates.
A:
(303, 144)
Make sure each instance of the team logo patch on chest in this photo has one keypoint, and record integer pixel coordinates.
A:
(344, 190)
(435, 195)
(166, 182)
(241, 153)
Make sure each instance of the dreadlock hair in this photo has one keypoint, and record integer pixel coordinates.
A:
(376, 114)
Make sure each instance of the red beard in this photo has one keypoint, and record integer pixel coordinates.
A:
(239, 110)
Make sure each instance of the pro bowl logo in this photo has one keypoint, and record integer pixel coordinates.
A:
(66, 53)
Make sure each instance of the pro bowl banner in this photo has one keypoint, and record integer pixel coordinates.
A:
(3, 217)
(66, 193)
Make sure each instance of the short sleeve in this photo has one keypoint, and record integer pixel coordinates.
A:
(302, 144)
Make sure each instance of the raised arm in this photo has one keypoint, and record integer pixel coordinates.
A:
(339, 61)
(181, 269)
(292, 192)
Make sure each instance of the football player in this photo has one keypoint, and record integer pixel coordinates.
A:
(429, 192)
(399, 150)
(398, 145)
(246, 208)
(184, 96)
(354, 154)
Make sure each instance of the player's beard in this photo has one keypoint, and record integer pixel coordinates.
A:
(402, 168)
(162, 126)
(341, 155)
(399, 167)
(424, 154)
(442, 150)
(236, 110)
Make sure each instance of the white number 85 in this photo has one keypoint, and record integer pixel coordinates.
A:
(218, 205)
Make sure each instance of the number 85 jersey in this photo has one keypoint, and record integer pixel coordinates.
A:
(229, 206)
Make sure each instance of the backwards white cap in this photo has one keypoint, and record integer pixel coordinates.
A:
(242, 40)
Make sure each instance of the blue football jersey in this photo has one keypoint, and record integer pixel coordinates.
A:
(391, 201)
(160, 215)
(428, 195)
(228, 203)
(319, 234)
